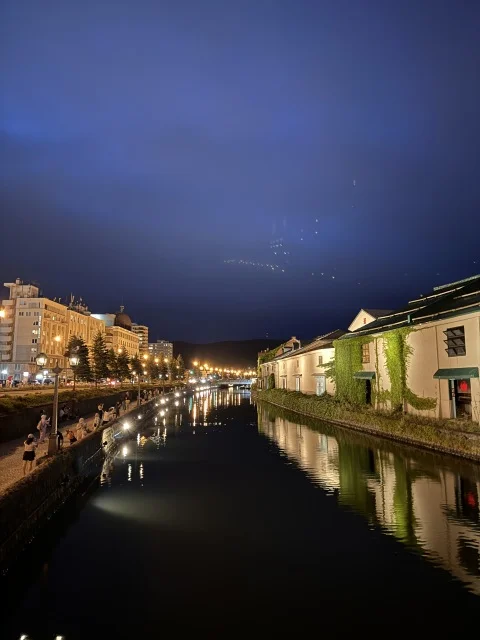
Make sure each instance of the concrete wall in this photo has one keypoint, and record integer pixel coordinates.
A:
(302, 366)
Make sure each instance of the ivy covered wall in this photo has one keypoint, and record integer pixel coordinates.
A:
(392, 353)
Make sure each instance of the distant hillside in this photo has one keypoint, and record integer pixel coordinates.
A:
(241, 353)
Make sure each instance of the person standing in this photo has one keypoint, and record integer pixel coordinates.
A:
(100, 412)
(96, 421)
(42, 428)
(28, 453)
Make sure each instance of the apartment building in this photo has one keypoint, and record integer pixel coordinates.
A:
(141, 331)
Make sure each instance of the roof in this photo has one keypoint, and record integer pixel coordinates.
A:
(322, 342)
(378, 313)
(442, 302)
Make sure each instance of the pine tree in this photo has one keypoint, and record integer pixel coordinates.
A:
(122, 364)
(153, 370)
(137, 367)
(180, 367)
(112, 363)
(83, 370)
(99, 358)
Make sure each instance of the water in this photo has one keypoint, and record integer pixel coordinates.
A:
(212, 524)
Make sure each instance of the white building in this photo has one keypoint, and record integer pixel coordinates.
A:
(161, 349)
(31, 324)
(141, 331)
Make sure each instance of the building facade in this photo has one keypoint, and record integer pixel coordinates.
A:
(161, 349)
(435, 341)
(303, 369)
(122, 341)
(31, 324)
(141, 331)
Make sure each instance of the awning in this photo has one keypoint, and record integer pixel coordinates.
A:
(456, 374)
(364, 375)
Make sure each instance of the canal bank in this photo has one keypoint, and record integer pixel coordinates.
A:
(26, 505)
(441, 435)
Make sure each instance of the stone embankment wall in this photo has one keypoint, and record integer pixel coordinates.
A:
(26, 505)
(18, 425)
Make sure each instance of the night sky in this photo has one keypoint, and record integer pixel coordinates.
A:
(151, 150)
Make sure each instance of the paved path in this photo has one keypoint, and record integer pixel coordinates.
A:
(11, 463)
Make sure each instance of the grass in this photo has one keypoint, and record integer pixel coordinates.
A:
(17, 403)
(445, 435)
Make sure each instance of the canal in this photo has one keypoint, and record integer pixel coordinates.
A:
(222, 519)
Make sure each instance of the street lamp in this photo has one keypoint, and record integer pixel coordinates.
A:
(41, 361)
(74, 361)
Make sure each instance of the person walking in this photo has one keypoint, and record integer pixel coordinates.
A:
(118, 407)
(42, 427)
(96, 421)
(28, 453)
(100, 412)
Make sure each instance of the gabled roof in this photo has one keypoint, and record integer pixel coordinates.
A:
(445, 301)
(378, 313)
(322, 342)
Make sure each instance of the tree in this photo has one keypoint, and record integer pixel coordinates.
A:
(153, 370)
(78, 346)
(99, 358)
(122, 365)
(137, 366)
(180, 367)
(112, 363)
(164, 369)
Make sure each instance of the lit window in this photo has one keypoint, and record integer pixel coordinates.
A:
(365, 353)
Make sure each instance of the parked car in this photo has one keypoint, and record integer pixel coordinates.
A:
(48, 381)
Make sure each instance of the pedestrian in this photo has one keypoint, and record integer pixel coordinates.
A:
(28, 453)
(127, 403)
(80, 428)
(96, 421)
(118, 407)
(106, 417)
(59, 439)
(100, 411)
(61, 414)
(71, 436)
(42, 427)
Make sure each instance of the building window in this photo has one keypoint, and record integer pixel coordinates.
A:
(455, 341)
(320, 360)
(298, 363)
(297, 384)
(365, 353)
(21, 313)
(364, 321)
(34, 340)
(284, 383)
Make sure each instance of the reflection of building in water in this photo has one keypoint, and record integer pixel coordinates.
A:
(423, 505)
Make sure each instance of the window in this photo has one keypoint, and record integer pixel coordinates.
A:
(297, 384)
(21, 313)
(320, 360)
(320, 386)
(365, 353)
(364, 321)
(284, 366)
(298, 363)
(455, 341)
(284, 383)
(34, 340)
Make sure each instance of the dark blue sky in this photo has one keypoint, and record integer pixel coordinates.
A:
(144, 144)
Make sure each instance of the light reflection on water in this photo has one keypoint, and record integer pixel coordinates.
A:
(428, 502)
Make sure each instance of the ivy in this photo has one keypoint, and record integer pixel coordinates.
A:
(397, 353)
(348, 360)
(267, 356)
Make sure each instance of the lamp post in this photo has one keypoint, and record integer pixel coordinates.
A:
(74, 362)
(41, 360)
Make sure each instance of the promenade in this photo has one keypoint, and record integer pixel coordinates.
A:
(11, 463)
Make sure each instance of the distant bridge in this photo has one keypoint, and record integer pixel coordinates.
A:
(233, 382)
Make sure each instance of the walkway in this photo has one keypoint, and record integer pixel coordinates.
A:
(11, 463)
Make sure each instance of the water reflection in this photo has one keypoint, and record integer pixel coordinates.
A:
(428, 502)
